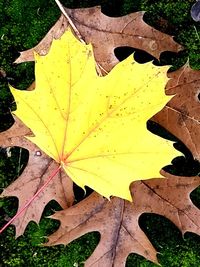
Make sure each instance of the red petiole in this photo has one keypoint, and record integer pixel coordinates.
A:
(31, 199)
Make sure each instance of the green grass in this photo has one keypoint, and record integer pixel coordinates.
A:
(22, 25)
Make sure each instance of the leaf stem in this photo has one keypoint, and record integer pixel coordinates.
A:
(31, 199)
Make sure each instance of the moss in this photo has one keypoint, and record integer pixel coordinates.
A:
(24, 30)
(23, 24)
(25, 251)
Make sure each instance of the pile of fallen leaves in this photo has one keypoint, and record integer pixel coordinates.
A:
(84, 121)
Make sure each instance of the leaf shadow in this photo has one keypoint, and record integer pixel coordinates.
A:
(184, 165)
(172, 59)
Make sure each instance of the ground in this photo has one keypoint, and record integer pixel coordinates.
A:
(22, 25)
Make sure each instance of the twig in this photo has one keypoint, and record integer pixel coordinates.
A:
(99, 68)
(70, 21)
(196, 32)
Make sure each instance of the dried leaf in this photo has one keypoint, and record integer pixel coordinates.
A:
(181, 116)
(117, 220)
(105, 34)
(39, 167)
(97, 127)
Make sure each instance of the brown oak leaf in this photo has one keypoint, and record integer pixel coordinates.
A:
(33, 177)
(105, 34)
(181, 116)
(117, 220)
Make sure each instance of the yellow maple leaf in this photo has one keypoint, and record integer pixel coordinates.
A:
(95, 127)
